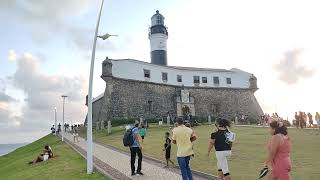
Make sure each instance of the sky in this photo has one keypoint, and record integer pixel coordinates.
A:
(46, 45)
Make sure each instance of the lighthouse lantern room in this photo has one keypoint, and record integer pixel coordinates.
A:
(158, 36)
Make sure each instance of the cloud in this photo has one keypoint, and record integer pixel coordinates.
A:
(12, 56)
(46, 18)
(43, 93)
(290, 70)
(3, 96)
(4, 114)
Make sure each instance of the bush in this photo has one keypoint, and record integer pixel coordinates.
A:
(286, 123)
(122, 121)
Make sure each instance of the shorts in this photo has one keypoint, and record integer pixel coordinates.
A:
(45, 157)
(142, 137)
(222, 161)
(75, 134)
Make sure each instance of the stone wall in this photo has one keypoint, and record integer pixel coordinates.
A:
(133, 99)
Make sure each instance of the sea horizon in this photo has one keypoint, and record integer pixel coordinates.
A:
(9, 147)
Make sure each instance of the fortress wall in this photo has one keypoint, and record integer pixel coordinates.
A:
(133, 99)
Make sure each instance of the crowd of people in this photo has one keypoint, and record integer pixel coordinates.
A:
(73, 129)
(304, 120)
(183, 136)
(266, 119)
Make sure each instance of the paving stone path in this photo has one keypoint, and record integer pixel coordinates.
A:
(117, 164)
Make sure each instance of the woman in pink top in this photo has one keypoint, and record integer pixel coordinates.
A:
(279, 149)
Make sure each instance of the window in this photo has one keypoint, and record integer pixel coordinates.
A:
(146, 73)
(228, 80)
(150, 106)
(215, 108)
(164, 76)
(179, 78)
(204, 80)
(196, 79)
(216, 80)
(159, 20)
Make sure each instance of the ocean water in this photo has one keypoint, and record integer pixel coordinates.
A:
(7, 148)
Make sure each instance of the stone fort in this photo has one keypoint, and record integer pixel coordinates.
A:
(136, 89)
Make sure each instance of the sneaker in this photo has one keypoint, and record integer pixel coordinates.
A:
(140, 173)
(132, 174)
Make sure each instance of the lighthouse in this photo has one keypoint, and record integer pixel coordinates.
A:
(158, 36)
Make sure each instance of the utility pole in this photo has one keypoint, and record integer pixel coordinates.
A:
(55, 121)
(64, 98)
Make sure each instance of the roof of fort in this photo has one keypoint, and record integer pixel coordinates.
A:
(175, 67)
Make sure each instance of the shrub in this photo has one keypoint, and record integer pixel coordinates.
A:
(286, 123)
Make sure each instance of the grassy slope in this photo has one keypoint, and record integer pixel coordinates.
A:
(248, 150)
(68, 164)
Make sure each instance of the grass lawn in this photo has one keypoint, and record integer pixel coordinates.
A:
(68, 165)
(249, 150)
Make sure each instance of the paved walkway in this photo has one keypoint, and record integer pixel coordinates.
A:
(120, 162)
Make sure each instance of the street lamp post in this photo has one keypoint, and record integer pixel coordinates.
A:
(55, 120)
(89, 122)
(64, 98)
(89, 118)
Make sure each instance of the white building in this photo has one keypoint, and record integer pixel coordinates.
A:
(180, 76)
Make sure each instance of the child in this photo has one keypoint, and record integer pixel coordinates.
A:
(167, 148)
(142, 132)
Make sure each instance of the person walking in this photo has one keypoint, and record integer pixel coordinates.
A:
(279, 148)
(301, 121)
(59, 128)
(310, 120)
(183, 138)
(142, 132)
(305, 119)
(75, 134)
(167, 149)
(296, 117)
(317, 118)
(223, 148)
(53, 130)
(136, 149)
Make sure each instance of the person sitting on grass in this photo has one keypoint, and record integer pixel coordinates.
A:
(142, 132)
(47, 154)
(167, 148)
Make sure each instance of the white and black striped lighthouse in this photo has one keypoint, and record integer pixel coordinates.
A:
(158, 36)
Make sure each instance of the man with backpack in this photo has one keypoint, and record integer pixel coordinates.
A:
(132, 139)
